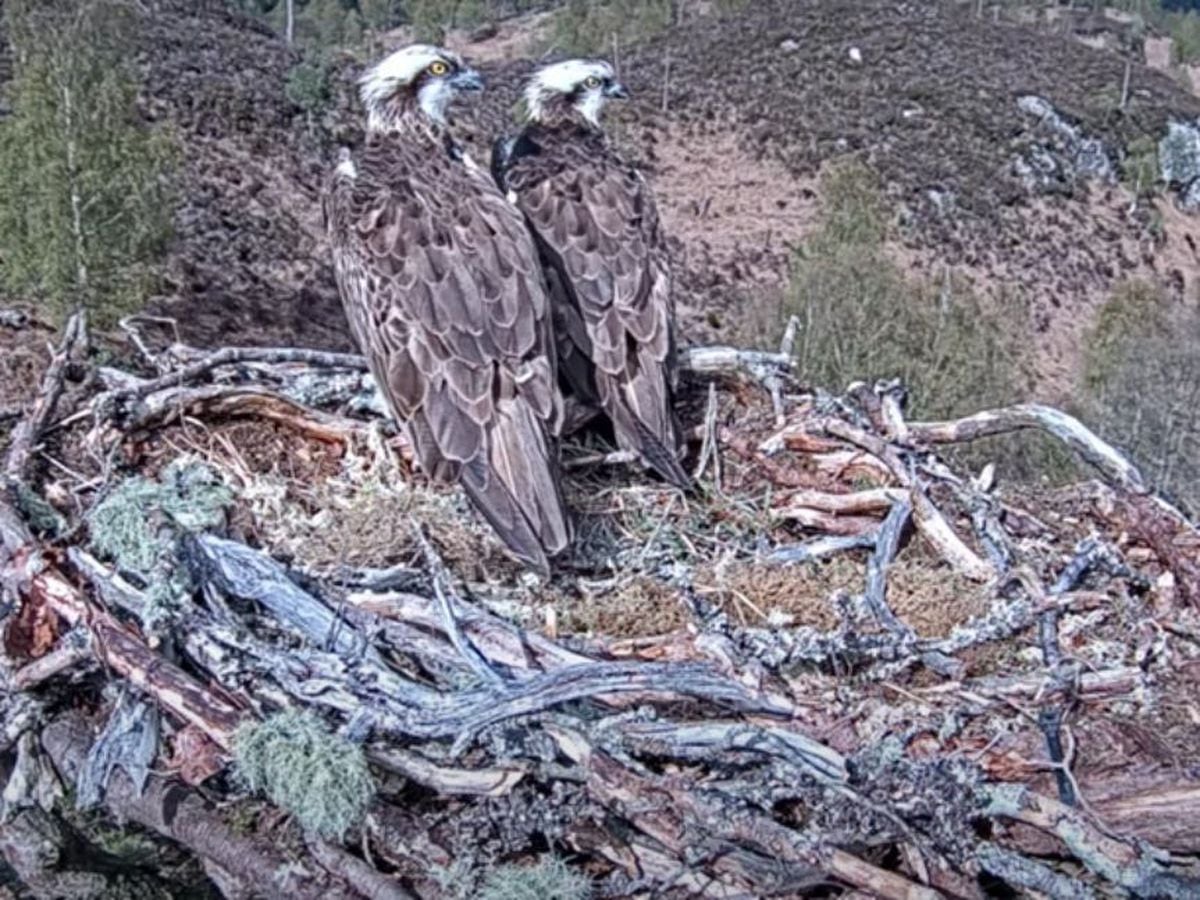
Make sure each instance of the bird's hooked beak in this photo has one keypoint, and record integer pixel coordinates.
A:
(466, 81)
(616, 91)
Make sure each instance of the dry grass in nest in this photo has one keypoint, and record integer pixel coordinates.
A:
(637, 606)
(760, 595)
(930, 596)
(329, 506)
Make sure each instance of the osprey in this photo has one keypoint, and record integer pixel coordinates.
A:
(606, 264)
(442, 286)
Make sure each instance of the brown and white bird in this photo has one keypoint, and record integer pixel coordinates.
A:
(598, 232)
(441, 282)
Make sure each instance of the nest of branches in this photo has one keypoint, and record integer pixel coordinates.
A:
(235, 619)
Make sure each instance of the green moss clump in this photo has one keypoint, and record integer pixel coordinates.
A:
(550, 879)
(138, 524)
(134, 526)
(319, 777)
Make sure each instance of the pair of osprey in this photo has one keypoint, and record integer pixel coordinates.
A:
(480, 300)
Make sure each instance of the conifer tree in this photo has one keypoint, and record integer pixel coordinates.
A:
(85, 198)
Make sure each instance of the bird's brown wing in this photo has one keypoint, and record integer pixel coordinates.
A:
(597, 225)
(442, 289)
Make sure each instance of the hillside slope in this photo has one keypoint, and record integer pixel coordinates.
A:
(733, 120)
(931, 98)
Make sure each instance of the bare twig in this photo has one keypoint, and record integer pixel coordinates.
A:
(929, 519)
(231, 356)
(447, 599)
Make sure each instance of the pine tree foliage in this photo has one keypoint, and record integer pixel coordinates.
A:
(85, 199)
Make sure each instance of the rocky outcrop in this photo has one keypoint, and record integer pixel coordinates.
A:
(1179, 163)
(1059, 155)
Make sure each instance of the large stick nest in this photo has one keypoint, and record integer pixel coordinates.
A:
(855, 665)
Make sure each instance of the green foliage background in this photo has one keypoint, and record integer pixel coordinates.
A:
(1141, 385)
(861, 317)
(86, 197)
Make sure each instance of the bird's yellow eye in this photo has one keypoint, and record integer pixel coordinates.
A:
(592, 82)
(438, 68)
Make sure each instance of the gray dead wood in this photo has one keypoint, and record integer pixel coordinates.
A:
(819, 548)
(501, 641)
(717, 360)
(364, 879)
(448, 600)
(38, 847)
(232, 401)
(1021, 871)
(1088, 555)
(29, 429)
(73, 650)
(1131, 865)
(929, 519)
(231, 356)
(129, 742)
(404, 707)
(450, 781)
(886, 547)
(1091, 449)
(238, 571)
(178, 813)
(705, 741)
(15, 319)
(671, 809)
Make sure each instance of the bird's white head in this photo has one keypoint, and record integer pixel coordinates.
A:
(579, 85)
(421, 79)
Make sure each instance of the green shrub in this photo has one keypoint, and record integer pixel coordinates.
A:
(1185, 37)
(1140, 171)
(307, 85)
(85, 198)
(432, 18)
(1141, 384)
(550, 879)
(588, 27)
(320, 778)
(861, 318)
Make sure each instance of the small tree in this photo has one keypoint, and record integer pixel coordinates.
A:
(308, 85)
(1141, 385)
(588, 26)
(84, 198)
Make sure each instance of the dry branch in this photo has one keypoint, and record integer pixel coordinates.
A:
(29, 429)
(929, 519)
(1123, 864)
(1111, 463)
(220, 401)
(231, 356)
